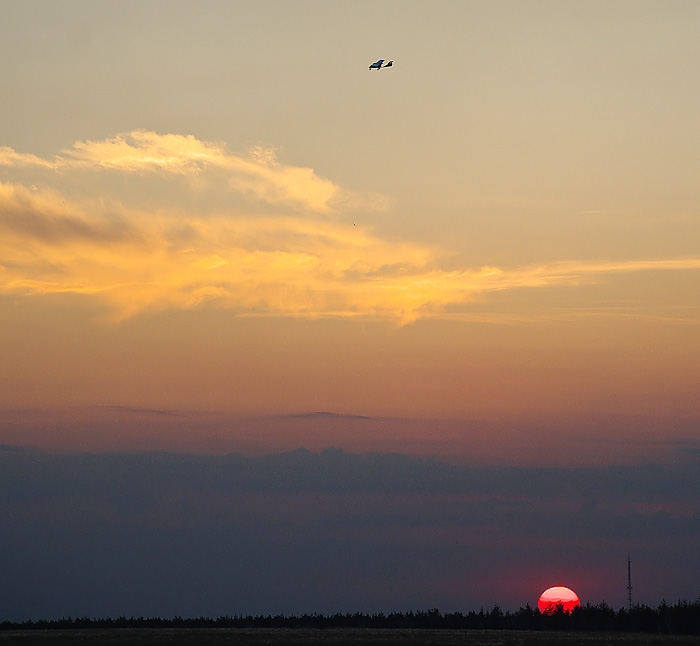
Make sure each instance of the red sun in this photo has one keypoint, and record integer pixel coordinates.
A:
(552, 597)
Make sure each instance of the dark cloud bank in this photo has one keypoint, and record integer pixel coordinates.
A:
(163, 534)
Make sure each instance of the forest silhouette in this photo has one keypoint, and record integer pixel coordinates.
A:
(681, 618)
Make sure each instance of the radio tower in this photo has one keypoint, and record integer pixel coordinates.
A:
(629, 582)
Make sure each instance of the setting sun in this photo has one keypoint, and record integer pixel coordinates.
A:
(552, 597)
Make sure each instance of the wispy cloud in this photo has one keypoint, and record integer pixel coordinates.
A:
(258, 173)
(148, 411)
(303, 258)
(322, 415)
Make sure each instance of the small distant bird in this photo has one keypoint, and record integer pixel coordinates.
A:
(380, 63)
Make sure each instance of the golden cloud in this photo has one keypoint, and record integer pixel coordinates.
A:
(303, 260)
(141, 151)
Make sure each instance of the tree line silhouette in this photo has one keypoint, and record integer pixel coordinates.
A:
(681, 618)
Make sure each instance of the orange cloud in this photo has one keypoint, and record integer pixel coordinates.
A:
(259, 173)
(305, 259)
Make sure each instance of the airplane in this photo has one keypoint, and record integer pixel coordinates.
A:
(379, 63)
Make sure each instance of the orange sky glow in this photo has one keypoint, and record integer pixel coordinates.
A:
(482, 257)
(356, 340)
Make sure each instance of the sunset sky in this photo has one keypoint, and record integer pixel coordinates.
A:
(221, 233)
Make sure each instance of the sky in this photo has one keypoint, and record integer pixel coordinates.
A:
(221, 234)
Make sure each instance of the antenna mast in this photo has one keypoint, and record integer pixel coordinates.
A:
(629, 582)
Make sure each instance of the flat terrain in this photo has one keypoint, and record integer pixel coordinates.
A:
(336, 637)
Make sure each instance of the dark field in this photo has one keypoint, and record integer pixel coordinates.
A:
(336, 637)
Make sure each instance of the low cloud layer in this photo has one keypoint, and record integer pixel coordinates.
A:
(166, 534)
(146, 221)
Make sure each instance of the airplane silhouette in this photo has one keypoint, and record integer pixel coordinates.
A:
(378, 65)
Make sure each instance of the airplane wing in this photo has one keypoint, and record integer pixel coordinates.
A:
(377, 65)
